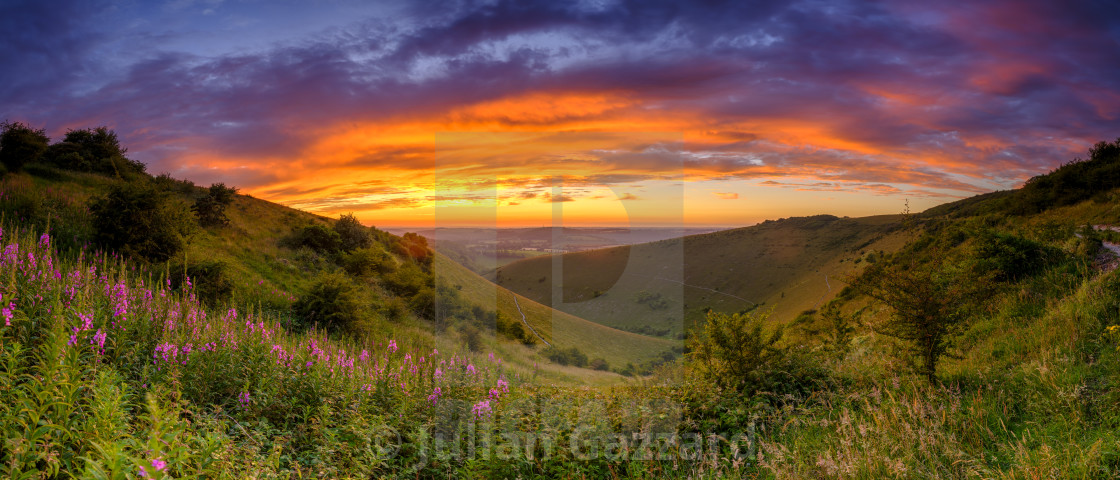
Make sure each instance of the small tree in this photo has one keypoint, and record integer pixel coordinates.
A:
(928, 308)
(93, 150)
(138, 219)
(21, 144)
(352, 234)
(211, 209)
(840, 329)
(733, 352)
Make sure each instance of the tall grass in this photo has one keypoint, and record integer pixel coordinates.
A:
(109, 373)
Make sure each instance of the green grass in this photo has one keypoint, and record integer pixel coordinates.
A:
(789, 266)
(232, 391)
(556, 327)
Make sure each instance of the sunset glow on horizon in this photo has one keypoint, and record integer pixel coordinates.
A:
(634, 113)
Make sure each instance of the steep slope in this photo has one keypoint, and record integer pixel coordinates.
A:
(261, 271)
(659, 288)
(554, 327)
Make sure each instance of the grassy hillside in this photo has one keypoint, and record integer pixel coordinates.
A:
(111, 368)
(555, 327)
(262, 271)
(788, 266)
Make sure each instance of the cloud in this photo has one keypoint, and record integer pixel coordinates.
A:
(629, 196)
(727, 195)
(855, 95)
(548, 197)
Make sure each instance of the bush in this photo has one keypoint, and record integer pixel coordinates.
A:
(652, 300)
(1009, 257)
(211, 208)
(472, 337)
(137, 219)
(210, 280)
(600, 364)
(93, 150)
(733, 352)
(316, 237)
(352, 235)
(513, 329)
(20, 144)
(369, 262)
(332, 303)
(566, 356)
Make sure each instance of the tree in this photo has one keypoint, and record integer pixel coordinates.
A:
(352, 234)
(839, 330)
(95, 150)
(929, 306)
(733, 352)
(211, 208)
(20, 145)
(138, 219)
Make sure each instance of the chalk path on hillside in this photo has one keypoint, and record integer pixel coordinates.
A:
(526, 320)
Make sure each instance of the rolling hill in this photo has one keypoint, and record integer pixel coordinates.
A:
(257, 268)
(660, 288)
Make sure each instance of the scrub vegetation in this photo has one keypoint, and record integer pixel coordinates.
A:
(279, 344)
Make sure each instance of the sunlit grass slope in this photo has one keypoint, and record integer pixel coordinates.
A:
(788, 266)
(555, 327)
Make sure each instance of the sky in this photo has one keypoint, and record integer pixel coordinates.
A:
(592, 112)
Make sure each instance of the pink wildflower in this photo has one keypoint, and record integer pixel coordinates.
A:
(482, 408)
(8, 312)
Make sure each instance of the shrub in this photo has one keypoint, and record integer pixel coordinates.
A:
(599, 364)
(332, 303)
(211, 208)
(472, 337)
(368, 262)
(93, 150)
(733, 352)
(352, 234)
(513, 329)
(210, 280)
(166, 182)
(20, 144)
(839, 330)
(137, 219)
(1009, 257)
(565, 356)
(316, 237)
(652, 300)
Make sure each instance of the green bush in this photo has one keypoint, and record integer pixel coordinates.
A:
(210, 281)
(316, 237)
(599, 364)
(94, 150)
(565, 356)
(352, 234)
(136, 218)
(211, 208)
(369, 262)
(733, 352)
(20, 144)
(332, 303)
(1009, 257)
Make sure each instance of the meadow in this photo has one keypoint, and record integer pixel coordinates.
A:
(310, 359)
